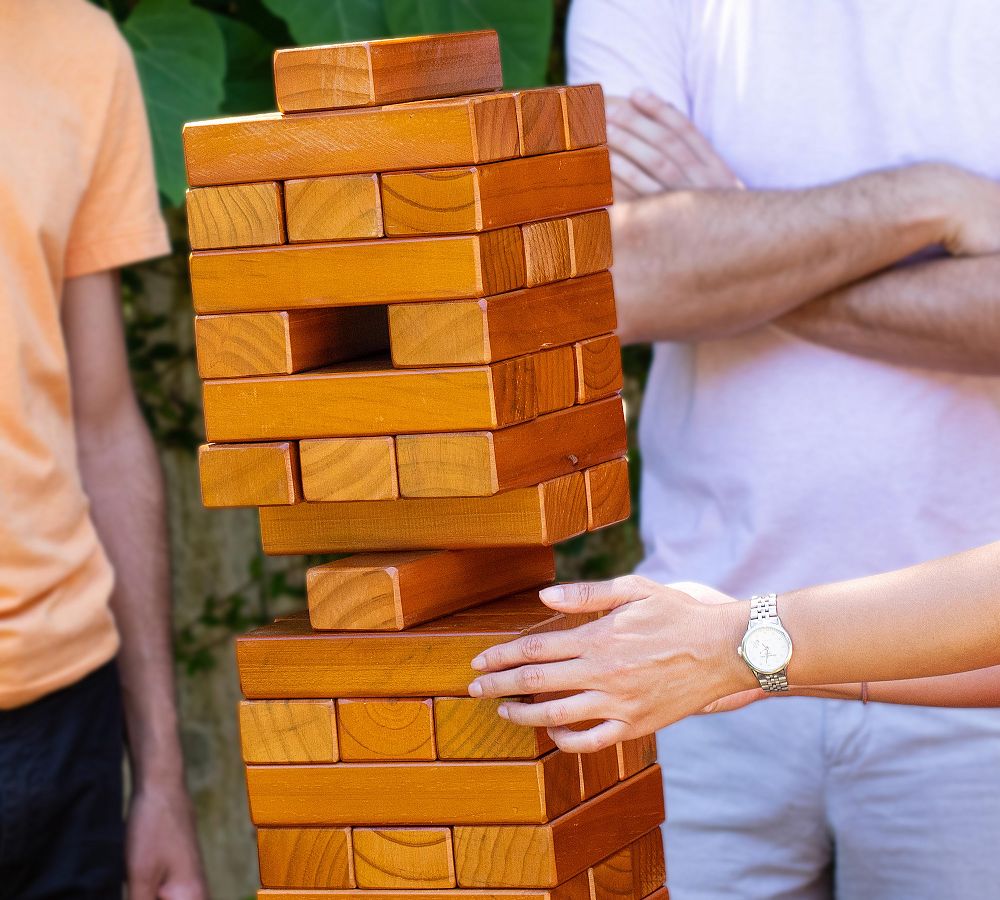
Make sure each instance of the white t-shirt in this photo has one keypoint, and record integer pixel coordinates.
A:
(770, 463)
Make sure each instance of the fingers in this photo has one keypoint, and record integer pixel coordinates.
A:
(550, 646)
(596, 596)
(630, 181)
(604, 734)
(534, 679)
(551, 713)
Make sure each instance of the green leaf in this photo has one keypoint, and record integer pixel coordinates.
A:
(249, 75)
(181, 59)
(331, 21)
(524, 26)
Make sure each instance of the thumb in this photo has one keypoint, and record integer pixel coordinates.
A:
(597, 596)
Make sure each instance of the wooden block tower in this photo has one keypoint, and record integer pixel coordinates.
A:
(405, 327)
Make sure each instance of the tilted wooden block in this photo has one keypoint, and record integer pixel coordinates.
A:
(290, 659)
(249, 474)
(608, 496)
(496, 195)
(636, 755)
(378, 730)
(305, 857)
(466, 728)
(532, 516)
(362, 468)
(236, 345)
(370, 398)
(288, 731)
(598, 368)
(632, 873)
(393, 591)
(544, 856)
(377, 73)
(481, 463)
(555, 389)
(590, 242)
(540, 121)
(546, 251)
(467, 332)
(357, 273)
(334, 208)
(598, 771)
(238, 215)
(577, 888)
(583, 115)
(271, 146)
(404, 858)
(436, 793)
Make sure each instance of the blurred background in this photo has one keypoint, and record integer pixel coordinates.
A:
(212, 58)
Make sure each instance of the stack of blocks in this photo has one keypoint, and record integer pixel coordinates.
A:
(405, 327)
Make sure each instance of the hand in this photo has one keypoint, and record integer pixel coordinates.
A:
(973, 220)
(162, 855)
(654, 148)
(657, 656)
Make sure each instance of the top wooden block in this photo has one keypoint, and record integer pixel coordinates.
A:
(375, 73)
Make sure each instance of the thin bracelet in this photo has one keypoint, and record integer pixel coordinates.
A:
(864, 691)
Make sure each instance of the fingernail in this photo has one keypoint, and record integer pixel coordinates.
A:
(479, 662)
(554, 595)
(502, 712)
(475, 689)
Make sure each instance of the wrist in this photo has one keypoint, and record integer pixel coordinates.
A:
(932, 204)
(731, 625)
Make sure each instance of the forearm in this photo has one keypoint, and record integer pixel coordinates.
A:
(941, 314)
(977, 689)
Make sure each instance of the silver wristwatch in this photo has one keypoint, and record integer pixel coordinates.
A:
(766, 647)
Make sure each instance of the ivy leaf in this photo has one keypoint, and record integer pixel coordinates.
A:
(181, 59)
(249, 76)
(331, 21)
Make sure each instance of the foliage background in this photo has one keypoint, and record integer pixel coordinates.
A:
(210, 58)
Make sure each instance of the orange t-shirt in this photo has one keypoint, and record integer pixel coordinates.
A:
(77, 195)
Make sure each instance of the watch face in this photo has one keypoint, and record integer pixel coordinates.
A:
(767, 649)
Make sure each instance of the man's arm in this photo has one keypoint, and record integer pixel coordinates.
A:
(122, 478)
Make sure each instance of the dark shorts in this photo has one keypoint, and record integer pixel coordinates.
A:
(61, 828)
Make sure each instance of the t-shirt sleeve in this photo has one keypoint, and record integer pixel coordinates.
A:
(118, 219)
(629, 44)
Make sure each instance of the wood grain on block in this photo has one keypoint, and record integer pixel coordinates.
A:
(546, 251)
(467, 332)
(598, 368)
(237, 215)
(249, 474)
(457, 132)
(236, 345)
(540, 121)
(542, 515)
(598, 771)
(577, 888)
(334, 208)
(481, 463)
(288, 659)
(394, 70)
(608, 497)
(496, 195)
(376, 730)
(590, 242)
(404, 858)
(305, 857)
(583, 115)
(357, 273)
(288, 731)
(555, 379)
(636, 755)
(437, 793)
(544, 856)
(393, 591)
(370, 398)
(466, 728)
(362, 468)
(633, 873)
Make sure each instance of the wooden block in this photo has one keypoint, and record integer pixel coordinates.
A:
(370, 398)
(393, 591)
(397, 729)
(437, 793)
(532, 516)
(649, 869)
(636, 755)
(349, 469)
(540, 121)
(544, 856)
(305, 857)
(590, 242)
(577, 888)
(238, 215)
(497, 195)
(598, 368)
(357, 273)
(404, 858)
(583, 115)
(288, 731)
(334, 208)
(235, 345)
(290, 659)
(598, 771)
(396, 70)
(457, 132)
(546, 251)
(555, 379)
(632, 873)
(467, 332)
(471, 729)
(608, 497)
(249, 474)
(481, 463)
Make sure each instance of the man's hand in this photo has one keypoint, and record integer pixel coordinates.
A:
(972, 203)
(657, 656)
